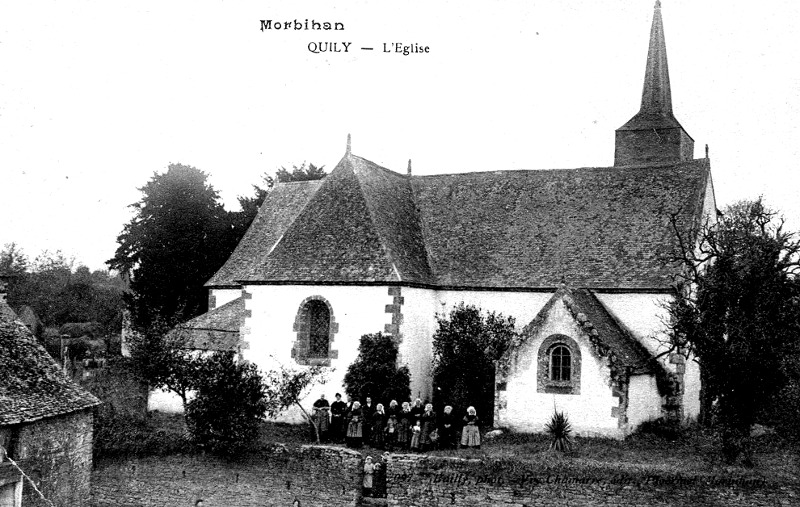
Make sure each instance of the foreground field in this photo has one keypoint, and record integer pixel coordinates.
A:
(512, 470)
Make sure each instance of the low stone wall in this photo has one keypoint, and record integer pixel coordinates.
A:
(332, 476)
(316, 475)
(425, 481)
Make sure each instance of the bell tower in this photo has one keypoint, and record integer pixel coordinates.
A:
(653, 135)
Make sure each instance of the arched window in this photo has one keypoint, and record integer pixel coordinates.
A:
(559, 366)
(560, 363)
(319, 324)
(315, 326)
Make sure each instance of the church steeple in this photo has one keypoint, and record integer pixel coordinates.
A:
(653, 135)
(656, 95)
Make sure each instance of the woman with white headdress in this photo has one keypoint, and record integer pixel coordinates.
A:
(471, 434)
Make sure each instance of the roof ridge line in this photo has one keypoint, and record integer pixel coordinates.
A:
(368, 202)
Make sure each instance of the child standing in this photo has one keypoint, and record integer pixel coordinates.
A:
(416, 431)
(369, 469)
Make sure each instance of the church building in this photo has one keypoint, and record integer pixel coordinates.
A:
(576, 256)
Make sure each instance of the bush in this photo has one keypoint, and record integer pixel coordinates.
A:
(375, 373)
(231, 399)
(666, 429)
(560, 431)
(466, 344)
(122, 426)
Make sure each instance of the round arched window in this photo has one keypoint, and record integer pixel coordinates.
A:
(560, 363)
(319, 321)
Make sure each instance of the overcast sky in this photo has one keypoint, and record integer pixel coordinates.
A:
(96, 96)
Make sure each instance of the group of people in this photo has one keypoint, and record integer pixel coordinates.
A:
(406, 427)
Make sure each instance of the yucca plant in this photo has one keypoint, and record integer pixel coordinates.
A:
(559, 429)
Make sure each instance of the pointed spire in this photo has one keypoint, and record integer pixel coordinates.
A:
(656, 94)
(347, 151)
(649, 137)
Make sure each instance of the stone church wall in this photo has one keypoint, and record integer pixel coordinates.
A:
(523, 407)
(644, 401)
(270, 330)
(645, 315)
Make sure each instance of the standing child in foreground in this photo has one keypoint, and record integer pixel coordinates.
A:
(415, 434)
(471, 434)
(369, 469)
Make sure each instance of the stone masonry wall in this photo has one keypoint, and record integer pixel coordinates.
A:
(332, 476)
(419, 481)
(56, 453)
(316, 475)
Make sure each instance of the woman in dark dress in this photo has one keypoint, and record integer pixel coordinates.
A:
(321, 414)
(378, 424)
(428, 427)
(338, 410)
(355, 428)
(404, 423)
(416, 411)
(447, 428)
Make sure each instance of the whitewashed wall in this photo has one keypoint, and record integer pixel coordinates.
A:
(269, 330)
(416, 349)
(644, 401)
(419, 322)
(223, 296)
(691, 393)
(643, 314)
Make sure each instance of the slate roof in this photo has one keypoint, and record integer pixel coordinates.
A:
(526, 229)
(628, 350)
(217, 329)
(590, 227)
(280, 209)
(590, 313)
(32, 386)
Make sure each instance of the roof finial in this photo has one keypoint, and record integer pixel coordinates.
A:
(347, 152)
(409, 167)
(706, 150)
(658, 4)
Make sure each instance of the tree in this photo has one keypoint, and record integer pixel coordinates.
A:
(375, 372)
(225, 415)
(737, 312)
(465, 346)
(289, 387)
(57, 294)
(180, 236)
(162, 358)
(13, 260)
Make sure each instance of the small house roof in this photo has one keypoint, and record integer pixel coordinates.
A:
(217, 329)
(32, 386)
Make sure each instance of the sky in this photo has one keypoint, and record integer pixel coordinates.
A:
(96, 97)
